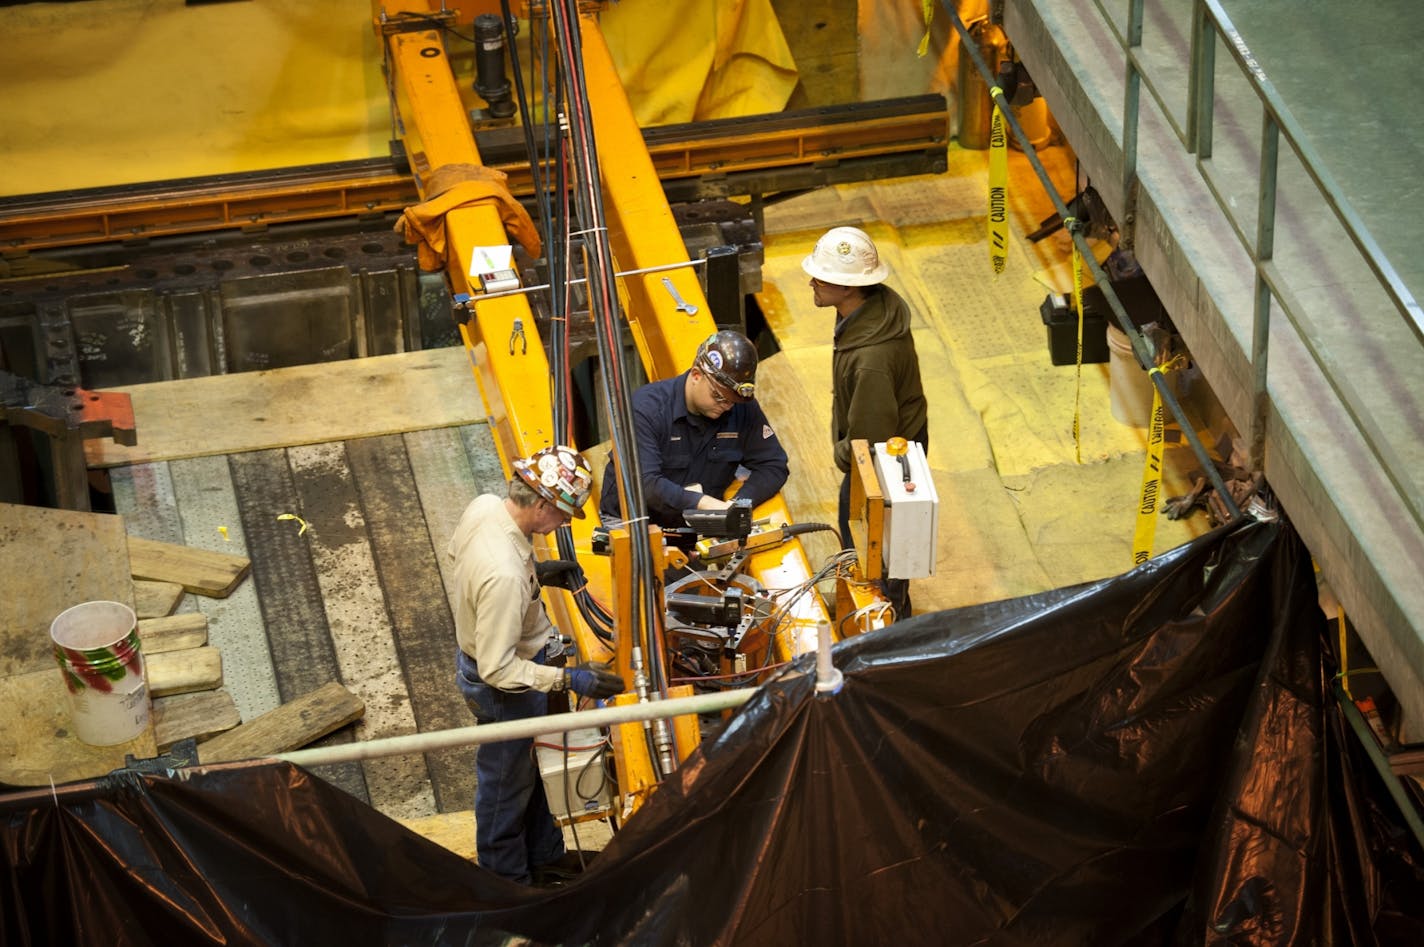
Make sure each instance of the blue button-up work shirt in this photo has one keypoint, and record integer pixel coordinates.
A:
(677, 449)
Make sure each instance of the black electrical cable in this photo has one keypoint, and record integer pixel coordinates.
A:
(603, 304)
(553, 217)
(536, 165)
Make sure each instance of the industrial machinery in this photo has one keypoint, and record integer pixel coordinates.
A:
(736, 595)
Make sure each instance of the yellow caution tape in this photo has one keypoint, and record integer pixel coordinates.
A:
(998, 188)
(1150, 495)
(293, 516)
(929, 8)
(1078, 357)
(1344, 660)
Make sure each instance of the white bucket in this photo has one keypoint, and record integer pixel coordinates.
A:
(97, 647)
(1129, 388)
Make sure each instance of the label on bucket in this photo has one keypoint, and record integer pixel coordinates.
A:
(103, 719)
(97, 648)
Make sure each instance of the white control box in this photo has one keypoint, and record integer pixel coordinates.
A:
(573, 768)
(911, 512)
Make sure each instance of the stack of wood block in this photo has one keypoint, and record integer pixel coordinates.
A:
(185, 672)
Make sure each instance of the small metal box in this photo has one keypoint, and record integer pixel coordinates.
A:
(911, 512)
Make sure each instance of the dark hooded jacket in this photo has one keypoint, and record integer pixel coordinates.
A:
(876, 376)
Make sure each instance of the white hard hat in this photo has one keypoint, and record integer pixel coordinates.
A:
(845, 256)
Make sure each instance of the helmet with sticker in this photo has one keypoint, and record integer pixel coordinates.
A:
(729, 358)
(560, 475)
(845, 256)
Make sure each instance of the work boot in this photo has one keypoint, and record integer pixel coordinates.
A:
(562, 869)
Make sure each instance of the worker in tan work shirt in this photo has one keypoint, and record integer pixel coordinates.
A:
(511, 657)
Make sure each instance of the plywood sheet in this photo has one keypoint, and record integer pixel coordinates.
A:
(50, 560)
(36, 745)
(305, 404)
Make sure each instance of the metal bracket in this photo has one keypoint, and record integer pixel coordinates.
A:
(68, 416)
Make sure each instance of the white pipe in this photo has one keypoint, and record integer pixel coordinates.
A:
(828, 677)
(518, 729)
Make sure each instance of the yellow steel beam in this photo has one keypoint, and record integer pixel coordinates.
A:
(641, 228)
(433, 123)
(506, 354)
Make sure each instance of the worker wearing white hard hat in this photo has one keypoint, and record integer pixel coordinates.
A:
(875, 371)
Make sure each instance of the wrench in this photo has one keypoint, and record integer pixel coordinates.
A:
(682, 306)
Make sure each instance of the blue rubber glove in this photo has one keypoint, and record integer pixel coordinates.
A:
(594, 680)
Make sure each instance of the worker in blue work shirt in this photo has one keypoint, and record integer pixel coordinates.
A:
(698, 433)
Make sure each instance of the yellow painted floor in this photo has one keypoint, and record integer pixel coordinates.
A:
(1019, 511)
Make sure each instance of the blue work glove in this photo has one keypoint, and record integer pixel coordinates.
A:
(560, 574)
(594, 680)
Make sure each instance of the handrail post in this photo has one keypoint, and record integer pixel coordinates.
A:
(1261, 316)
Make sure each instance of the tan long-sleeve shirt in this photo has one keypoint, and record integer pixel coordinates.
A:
(499, 619)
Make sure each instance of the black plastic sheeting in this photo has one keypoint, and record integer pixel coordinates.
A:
(1152, 759)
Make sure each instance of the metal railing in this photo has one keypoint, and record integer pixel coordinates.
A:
(1212, 27)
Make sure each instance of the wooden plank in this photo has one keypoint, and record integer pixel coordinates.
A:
(304, 404)
(50, 560)
(287, 590)
(424, 628)
(201, 716)
(361, 634)
(199, 571)
(155, 599)
(291, 726)
(182, 672)
(36, 745)
(173, 632)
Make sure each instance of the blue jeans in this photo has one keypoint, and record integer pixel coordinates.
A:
(514, 831)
